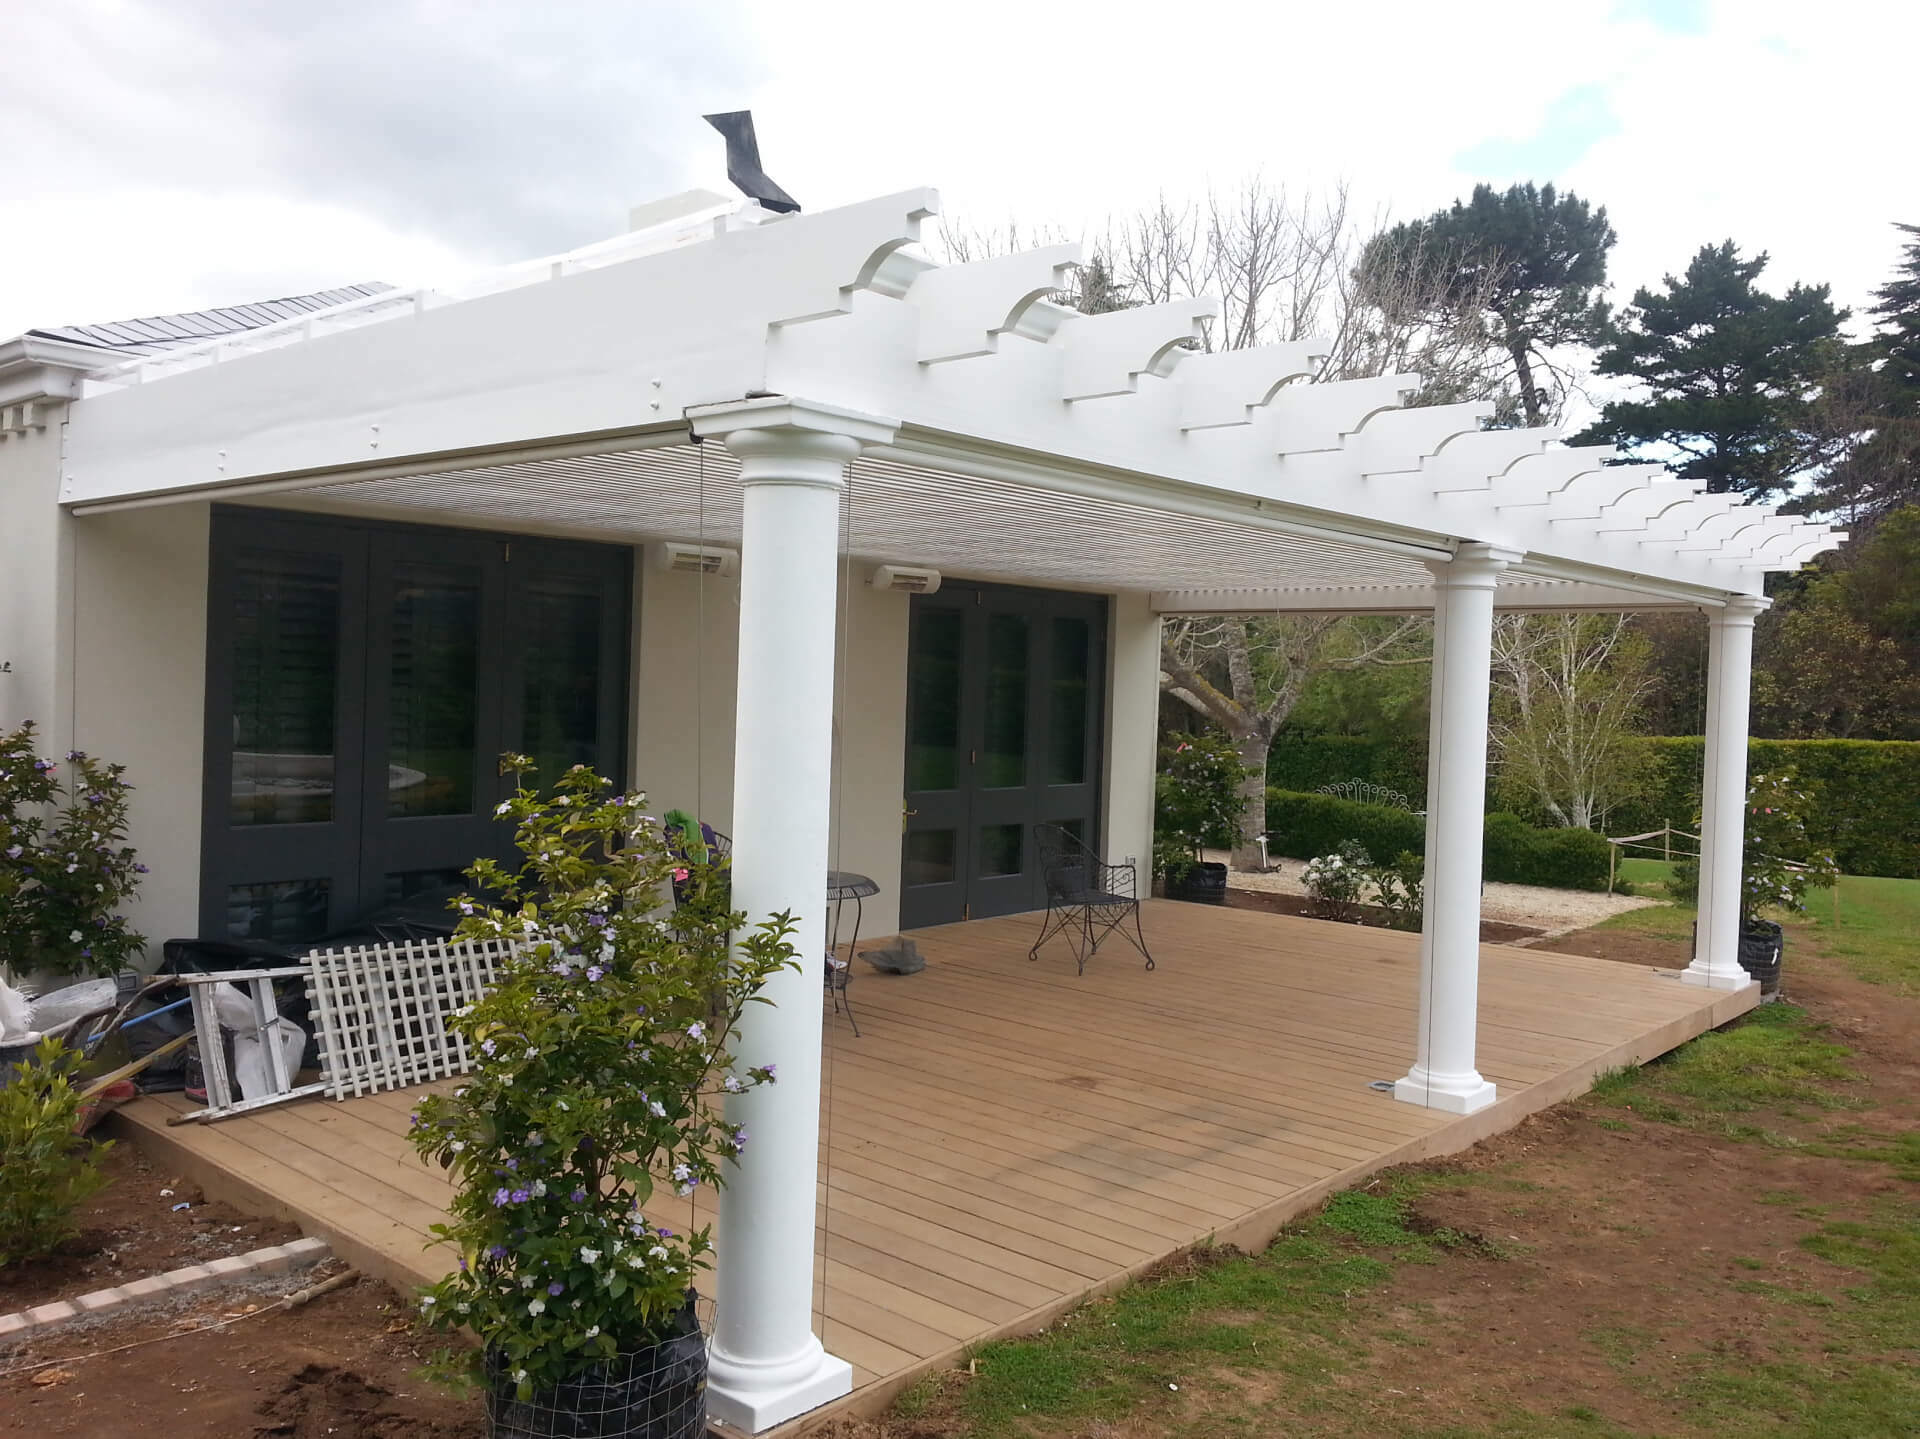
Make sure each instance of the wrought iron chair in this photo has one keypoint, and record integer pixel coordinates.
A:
(1087, 898)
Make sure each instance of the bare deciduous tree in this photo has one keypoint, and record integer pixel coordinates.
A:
(1567, 696)
(1246, 673)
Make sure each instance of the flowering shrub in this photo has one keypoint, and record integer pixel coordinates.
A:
(1196, 802)
(48, 1170)
(1779, 863)
(64, 869)
(600, 1055)
(1338, 882)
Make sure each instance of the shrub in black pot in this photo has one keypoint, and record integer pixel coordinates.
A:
(600, 1056)
(1779, 864)
(1196, 802)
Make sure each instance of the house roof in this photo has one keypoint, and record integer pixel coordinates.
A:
(151, 333)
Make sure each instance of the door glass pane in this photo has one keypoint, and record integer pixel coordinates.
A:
(405, 885)
(999, 849)
(432, 701)
(290, 911)
(1067, 730)
(1003, 753)
(286, 660)
(561, 629)
(930, 857)
(933, 700)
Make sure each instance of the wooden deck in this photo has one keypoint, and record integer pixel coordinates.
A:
(1007, 1139)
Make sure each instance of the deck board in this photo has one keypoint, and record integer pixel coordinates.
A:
(1009, 1137)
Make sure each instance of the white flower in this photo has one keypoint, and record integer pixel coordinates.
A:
(536, 1306)
(499, 810)
(532, 1053)
(634, 1261)
(538, 1189)
(463, 1307)
(733, 1084)
(589, 1256)
(457, 1145)
(659, 1251)
(593, 1331)
(659, 1109)
(426, 1301)
(526, 1281)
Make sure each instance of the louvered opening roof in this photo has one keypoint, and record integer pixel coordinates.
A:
(964, 525)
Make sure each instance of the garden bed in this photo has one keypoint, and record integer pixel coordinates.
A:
(129, 1230)
(1491, 931)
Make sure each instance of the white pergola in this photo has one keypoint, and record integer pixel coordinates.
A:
(869, 398)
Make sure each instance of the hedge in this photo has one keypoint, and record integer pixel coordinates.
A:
(1867, 808)
(1305, 825)
(1866, 795)
(1303, 763)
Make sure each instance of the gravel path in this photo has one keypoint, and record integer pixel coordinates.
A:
(1554, 910)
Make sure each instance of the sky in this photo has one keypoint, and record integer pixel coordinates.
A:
(174, 154)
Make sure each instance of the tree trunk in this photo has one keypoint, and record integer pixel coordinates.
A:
(1530, 398)
(1252, 750)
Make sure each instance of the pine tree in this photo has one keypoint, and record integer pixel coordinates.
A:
(1730, 375)
(1532, 262)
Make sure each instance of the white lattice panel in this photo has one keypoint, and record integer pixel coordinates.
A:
(381, 1010)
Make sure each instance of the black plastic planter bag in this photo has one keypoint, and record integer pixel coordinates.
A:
(657, 1392)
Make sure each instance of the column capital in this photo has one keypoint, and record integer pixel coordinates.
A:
(1739, 610)
(789, 414)
(786, 440)
(1475, 565)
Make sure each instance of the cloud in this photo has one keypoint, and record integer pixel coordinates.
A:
(487, 131)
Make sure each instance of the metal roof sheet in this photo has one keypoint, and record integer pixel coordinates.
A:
(190, 327)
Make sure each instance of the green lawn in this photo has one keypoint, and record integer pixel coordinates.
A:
(1873, 925)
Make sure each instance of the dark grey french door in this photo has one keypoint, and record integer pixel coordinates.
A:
(363, 680)
(1005, 690)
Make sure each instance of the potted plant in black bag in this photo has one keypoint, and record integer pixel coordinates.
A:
(600, 1057)
(1196, 803)
(1779, 864)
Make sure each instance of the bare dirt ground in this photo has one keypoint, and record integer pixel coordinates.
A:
(345, 1365)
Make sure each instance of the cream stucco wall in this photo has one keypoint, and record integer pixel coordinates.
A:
(684, 695)
(35, 588)
(1133, 708)
(139, 618)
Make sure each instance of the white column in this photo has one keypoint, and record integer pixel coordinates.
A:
(1444, 1076)
(766, 1364)
(1723, 798)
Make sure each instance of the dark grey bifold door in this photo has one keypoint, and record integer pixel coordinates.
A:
(1005, 689)
(362, 682)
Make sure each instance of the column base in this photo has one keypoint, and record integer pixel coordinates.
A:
(1454, 1093)
(1706, 975)
(754, 1397)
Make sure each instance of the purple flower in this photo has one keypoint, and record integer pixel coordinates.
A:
(463, 1264)
(594, 971)
(513, 1164)
(598, 921)
(556, 1288)
(496, 1251)
(14, 852)
(519, 1196)
(141, 869)
(579, 1196)
(500, 1198)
